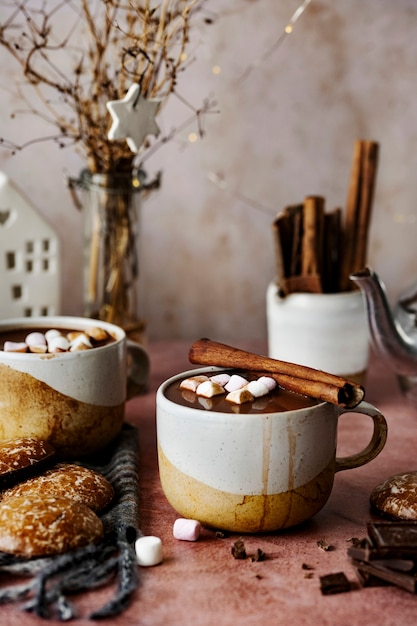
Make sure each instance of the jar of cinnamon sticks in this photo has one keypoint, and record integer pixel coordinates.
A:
(315, 313)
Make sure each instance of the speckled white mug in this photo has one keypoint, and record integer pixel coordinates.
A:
(253, 472)
(327, 331)
(74, 400)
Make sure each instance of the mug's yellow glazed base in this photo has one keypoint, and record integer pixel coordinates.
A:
(72, 427)
(239, 513)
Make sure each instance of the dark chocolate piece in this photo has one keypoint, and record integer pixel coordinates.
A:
(393, 539)
(374, 569)
(334, 583)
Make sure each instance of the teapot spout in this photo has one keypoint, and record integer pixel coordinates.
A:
(388, 337)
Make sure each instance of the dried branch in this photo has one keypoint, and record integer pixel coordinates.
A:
(77, 64)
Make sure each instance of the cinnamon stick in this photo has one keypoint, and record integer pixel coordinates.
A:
(312, 244)
(358, 209)
(298, 378)
(331, 250)
(369, 167)
(287, 240)
(351, 216)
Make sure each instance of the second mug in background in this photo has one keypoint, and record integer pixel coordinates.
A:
(73, 400)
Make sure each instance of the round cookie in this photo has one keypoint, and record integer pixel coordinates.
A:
(45, 525)
(68, 480)
(21, 457)
(396, 497)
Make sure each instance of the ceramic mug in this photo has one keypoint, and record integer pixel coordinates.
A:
(252, 472)
(74, 400)
(327, 331)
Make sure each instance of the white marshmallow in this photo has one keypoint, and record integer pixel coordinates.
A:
(35, 339)
(236, 382)
(50, 334)
(58, 344)
(193, 382)
(208, 389)
(80, 342)
(15, 346)
(186, 529)
(268, 381)
(39, 348)
(257, 388)
(221, 379)
(148, 551)
(239, 396)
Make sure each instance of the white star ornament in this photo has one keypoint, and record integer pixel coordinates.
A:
(133, 118)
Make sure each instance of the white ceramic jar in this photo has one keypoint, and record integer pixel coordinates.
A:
(325, 331)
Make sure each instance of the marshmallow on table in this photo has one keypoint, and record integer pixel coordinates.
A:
(186, 529)
(148, 551)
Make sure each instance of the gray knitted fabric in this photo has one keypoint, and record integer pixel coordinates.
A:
(50, 580)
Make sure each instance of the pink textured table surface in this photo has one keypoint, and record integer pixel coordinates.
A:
(201, 584)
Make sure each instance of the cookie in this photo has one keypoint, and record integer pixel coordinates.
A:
(396, 497)
(19, 458)
(41, 526)
(66, 479)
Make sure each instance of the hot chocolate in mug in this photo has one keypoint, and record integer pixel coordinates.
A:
(73, 399)
(255, 471)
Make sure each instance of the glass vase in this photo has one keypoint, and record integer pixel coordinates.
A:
(111, 214)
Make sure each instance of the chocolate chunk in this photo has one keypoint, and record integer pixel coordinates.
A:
(393, 539)
(371, 570)
(334, 583)
(239, 550)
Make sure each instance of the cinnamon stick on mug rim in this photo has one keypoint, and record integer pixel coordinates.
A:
(291, 376)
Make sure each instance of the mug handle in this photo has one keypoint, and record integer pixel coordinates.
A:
(138, 368)
(376, 444)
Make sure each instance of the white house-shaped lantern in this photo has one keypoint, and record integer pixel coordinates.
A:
(29, 258)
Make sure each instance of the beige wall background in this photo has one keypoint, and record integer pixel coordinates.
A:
(288, 117)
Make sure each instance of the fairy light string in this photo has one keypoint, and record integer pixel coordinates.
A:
(218, 179)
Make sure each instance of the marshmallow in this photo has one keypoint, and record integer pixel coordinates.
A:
(80, 342)
(193, 382)
(257, 388)
(208, 389)
(186, 529)
(236, 382)
(97, 334)
(58, 344)
(270, 382)
(15, 346)
(239, 396)
(36, 342)
(221, 379)
(50, 334)
(35, 339)
(148, 551)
